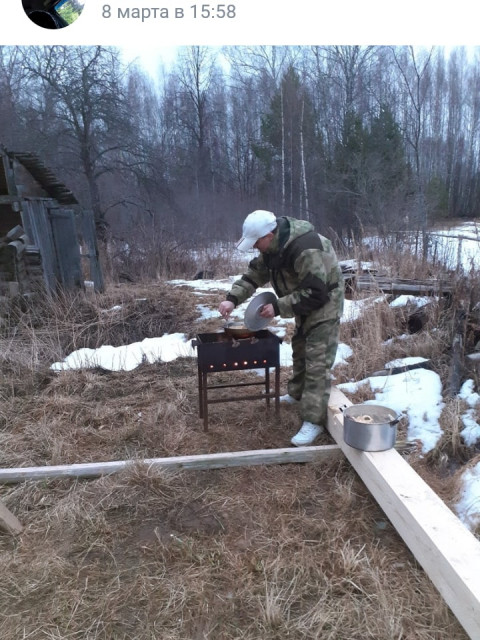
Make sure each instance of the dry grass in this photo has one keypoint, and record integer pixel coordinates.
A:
(158, 257)
(248, 553)
(451, 448)
(292, 551)
(366, 335)
(381, 334)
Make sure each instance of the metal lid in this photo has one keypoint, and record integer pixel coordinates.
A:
(253, 319)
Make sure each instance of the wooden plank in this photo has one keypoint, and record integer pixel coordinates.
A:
(457, 237)
(18, 246)
(206, 461)
(67, 249)
(15, 234)
(448, 552)
(8, 521)
(37, 226)
(9, 199)
(89, 235)
(3, 175)
(402, 287)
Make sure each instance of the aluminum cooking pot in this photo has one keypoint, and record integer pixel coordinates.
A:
(370, 427)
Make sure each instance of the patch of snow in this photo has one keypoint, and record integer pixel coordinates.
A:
(206, 312)
(128, 357)
(471, 431)
(405, 362)
(344, 351)
(416, 393)
(468, 507)
(403, 300)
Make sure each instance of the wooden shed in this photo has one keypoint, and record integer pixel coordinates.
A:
(46, 237)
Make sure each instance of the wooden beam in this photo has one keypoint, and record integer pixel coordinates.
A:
(448, 552)
(398, 286)
(8, 521)
(206, 461)
(458, 237)
(9, 199)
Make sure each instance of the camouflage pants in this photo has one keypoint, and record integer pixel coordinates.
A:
(313, 357)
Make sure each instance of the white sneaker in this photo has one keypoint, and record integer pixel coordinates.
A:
(288, 399)
(307, 434)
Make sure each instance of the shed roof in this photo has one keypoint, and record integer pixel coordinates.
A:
(45, 177)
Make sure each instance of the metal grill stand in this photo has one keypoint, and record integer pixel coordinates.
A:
(218, 352)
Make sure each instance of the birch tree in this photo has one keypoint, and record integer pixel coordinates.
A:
(414, 69)
(288, 139)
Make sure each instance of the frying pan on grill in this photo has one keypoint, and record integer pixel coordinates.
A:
(253, 321)
(238, 330)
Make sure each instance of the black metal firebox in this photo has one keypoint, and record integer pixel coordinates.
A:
(220, 352)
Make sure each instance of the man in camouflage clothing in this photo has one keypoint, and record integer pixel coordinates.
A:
(303, 269)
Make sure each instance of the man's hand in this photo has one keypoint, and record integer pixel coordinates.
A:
(225, 309)
(267, 311)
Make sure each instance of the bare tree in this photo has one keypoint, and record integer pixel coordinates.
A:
(341, 75)
(414, 68)
(303, 204)
(320, 132)
(266, 62)
(87, 111)
(195, 75)
(11, 76)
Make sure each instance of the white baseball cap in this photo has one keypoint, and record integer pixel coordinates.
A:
(256, 225)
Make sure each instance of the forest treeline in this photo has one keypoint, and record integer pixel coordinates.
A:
(348, 137)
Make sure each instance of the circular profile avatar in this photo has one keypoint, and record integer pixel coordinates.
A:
(53, 14)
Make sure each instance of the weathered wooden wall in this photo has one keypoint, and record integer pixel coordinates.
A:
(53, 227)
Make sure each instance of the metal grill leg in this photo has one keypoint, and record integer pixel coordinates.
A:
(205, 402)
(267, 385)
(200, 393)
(277, 390)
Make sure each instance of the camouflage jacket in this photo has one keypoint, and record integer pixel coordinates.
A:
(303, 269)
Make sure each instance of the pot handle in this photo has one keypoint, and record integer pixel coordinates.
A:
(396, 420)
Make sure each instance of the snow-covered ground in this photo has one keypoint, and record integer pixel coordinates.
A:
(459, 246)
